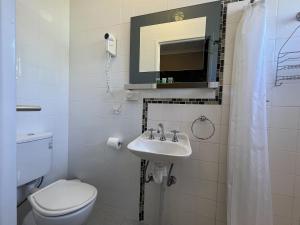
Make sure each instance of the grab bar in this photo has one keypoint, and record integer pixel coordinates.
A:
(28, 108)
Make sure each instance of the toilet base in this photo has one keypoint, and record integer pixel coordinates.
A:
(76, 218)
(29, 220)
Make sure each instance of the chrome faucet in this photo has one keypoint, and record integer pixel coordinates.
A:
(161, 131)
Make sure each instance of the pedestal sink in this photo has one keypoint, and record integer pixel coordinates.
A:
(161, 151)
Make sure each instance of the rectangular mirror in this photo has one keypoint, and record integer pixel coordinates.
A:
(176, 48)
(183, 55)
(167, 39)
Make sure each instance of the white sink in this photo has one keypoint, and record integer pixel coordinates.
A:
(161, 151)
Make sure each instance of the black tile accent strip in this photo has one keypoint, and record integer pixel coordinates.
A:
(216, 101)
(142, 190)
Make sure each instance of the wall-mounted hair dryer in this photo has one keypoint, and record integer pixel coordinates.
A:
(111, 51)
(111, 44)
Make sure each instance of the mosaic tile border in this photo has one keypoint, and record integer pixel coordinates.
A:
(182, 101)
(216, 101)
(146, 102)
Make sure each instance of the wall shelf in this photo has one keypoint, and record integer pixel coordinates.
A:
(183, 85)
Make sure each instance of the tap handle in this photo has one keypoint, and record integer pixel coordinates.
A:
(151, 136)
(175, 137)
(175, 131)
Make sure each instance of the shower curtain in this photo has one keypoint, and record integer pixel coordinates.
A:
(249, 191)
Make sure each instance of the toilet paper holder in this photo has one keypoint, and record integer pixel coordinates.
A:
(114, 142)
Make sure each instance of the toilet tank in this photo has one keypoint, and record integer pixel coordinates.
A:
(34, 156)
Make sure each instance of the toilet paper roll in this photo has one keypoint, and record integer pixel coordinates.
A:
(115, 143)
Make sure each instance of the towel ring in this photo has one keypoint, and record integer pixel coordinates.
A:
(203, 119)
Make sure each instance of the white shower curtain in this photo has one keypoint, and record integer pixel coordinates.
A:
(249, 191)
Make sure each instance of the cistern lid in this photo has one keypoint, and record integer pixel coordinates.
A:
(62, 197)
(23, 138)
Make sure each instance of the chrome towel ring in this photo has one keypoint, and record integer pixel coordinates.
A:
(203, 119)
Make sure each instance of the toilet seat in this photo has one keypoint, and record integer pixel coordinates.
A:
(62, 197)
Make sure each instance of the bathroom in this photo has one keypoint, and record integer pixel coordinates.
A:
(85, 93)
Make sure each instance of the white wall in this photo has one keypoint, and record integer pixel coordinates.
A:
(43, 47)
(7, 114)
(283, 108)
(198, 197)
(116, 174)
(42, 43)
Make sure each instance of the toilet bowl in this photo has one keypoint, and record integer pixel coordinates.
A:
(64, 202)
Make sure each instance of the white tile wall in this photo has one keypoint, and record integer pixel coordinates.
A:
(201, 187)
(43, 47)
(199, 192)
(42, 31)
(91, 116)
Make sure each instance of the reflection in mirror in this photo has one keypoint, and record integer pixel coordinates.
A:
(182, 55)
(159, 42)
(184, 61)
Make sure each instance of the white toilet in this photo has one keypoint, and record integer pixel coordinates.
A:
(64, 202)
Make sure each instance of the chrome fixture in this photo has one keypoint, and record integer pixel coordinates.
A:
(171, 179)
(151, 135)
(298, 16)
(203, 119)
(150, 177)
(28, 108)
(175, 137)
(254, 1)
(161, 131)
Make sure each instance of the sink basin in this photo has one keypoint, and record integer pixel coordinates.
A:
(161, 151)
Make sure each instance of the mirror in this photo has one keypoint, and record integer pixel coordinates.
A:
(180, 55)
(165, 42)
(176, 48)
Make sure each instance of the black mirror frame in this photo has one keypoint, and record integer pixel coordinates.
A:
(212, 12)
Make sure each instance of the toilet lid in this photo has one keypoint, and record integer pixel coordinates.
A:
(62, 197)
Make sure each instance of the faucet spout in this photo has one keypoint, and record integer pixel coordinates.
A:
(161, 130)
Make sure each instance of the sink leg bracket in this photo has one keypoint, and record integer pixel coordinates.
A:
(171, 179)
(150, 177)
